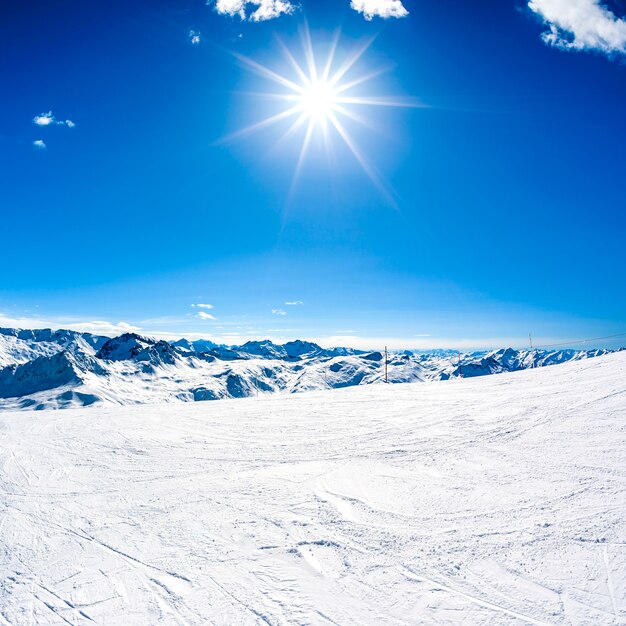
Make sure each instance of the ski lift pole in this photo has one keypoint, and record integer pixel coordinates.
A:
(386, 368)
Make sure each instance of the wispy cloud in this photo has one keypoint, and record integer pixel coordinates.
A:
(278, 312)
(418, 343)
(203, 306)
(294, 303)
(48, 119)
(97, 327)
(39, 144)
(379, 8)
(203, 315)
(259, 11)
(195, 37)
(581, 25)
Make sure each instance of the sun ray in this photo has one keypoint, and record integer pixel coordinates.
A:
(305, 147)
(323, 97)
(294, 64)
(351, 60)
(303, 151)
(331, 56)
(356, 117)
(261, 70)
(362, 79)
(274, 119)
(326, 138)
(379, 101)
(308, 52)
(297, 124)
(363, 162)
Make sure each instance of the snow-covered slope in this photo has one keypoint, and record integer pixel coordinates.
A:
(492, 500)
(46, 369)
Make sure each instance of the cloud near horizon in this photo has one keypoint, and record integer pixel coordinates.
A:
(203, 306)
(203, 315)
(341, 338)
(581, 25)
(95, 327)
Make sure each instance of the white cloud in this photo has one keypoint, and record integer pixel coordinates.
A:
(379, 8)
(581, 25)
(278, 312)
(205, 316)
(265, 9)
(97, 327)
(413, 343)
(39, 144)
(46, 119)
(195, 37)
(294, 303)
(203, 306)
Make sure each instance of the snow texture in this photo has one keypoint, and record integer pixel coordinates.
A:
(490, 500)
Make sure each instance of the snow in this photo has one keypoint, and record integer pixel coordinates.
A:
(47, 369)
(491, 500)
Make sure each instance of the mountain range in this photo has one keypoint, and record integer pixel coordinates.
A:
(42, 369)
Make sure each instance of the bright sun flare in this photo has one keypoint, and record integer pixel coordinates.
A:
(318, 100)
(321, 96)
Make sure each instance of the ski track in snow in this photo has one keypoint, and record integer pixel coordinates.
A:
(493, 500)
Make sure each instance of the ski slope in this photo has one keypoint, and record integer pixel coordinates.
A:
(492, 500)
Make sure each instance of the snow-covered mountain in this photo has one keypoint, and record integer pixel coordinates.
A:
(57, 369)
(20, 346)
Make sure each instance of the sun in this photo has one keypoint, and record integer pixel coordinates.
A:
(318, 100)
(322, 96)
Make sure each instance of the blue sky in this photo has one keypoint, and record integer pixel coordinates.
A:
(498, 208)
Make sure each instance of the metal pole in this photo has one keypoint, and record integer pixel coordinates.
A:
(386, 370)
